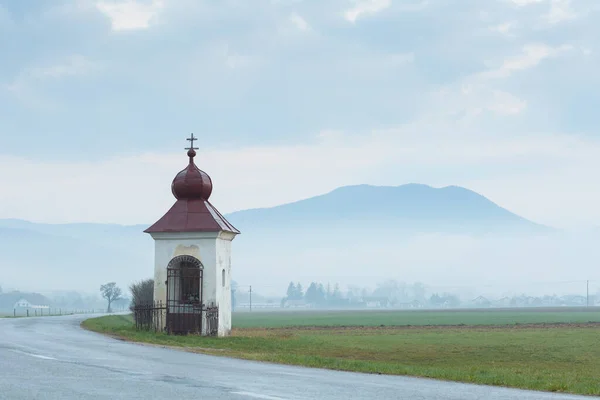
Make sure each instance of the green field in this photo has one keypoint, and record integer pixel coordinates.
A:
(553, 357)
(277, 319)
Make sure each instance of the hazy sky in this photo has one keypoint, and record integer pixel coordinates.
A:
(293, 98)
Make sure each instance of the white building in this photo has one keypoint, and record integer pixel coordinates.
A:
(192, 270)
(23, 303)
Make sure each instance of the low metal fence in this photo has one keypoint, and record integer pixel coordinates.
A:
(150, 317)
(51, 311)
(179, 319)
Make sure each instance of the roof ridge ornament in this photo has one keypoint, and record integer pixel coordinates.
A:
(191, 140)
(191, 150)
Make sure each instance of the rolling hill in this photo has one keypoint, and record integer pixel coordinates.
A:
(413, 208)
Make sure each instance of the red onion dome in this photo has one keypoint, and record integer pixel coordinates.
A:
(191, 183)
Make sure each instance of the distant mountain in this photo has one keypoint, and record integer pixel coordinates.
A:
(275, 242)
(409, 208)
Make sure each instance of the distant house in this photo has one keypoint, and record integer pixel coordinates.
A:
(261, 304)
(481, 302)
(295, 304)
(410, 304)
(552, 301)
(574, 300)
(522, 301)
(23, 300)
(376, 302)
(501, 303)
(24, 303)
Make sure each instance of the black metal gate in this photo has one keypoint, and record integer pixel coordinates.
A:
(184, 295)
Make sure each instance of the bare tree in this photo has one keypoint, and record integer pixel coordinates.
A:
(142, 293)
(111, 293)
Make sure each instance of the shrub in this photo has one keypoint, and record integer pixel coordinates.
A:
(142, 292)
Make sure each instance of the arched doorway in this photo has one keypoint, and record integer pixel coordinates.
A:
(184, 295)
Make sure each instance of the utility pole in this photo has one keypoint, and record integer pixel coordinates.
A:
(587, 294)
(250, 298)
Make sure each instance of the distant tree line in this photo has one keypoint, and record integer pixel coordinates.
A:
(317, 295)
(395, 294)
(387, 294)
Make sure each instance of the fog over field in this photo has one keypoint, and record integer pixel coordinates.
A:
(450, 239)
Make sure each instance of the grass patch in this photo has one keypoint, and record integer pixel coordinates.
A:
(278, 319)
(557, 358)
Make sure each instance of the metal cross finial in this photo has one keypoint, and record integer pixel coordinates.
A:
(191, 140)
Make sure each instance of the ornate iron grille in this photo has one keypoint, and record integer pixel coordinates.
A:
(184, 295)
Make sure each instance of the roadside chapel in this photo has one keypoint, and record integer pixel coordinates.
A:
(192, 260)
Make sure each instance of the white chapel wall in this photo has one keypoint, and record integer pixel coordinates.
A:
(224, 288)
(201, 246)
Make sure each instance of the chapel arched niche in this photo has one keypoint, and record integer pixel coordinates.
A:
(184, 283)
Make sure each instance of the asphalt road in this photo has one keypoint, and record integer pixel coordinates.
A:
(52, 358)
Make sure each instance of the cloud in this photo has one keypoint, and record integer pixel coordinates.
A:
(130, 14)
(560, 11)
(27, 85)
(531, 55)
(471, 101)
(71, 66)
(482, 94)
(299, 22)
(504, 103)
(505, 28)
(6, 21)
(226, 55)
(365, 7)
(522, 3)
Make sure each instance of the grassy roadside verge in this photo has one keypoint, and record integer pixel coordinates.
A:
(282, 319)
(558, 358)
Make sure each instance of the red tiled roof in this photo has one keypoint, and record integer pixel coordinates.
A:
(192, 215)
